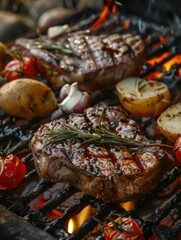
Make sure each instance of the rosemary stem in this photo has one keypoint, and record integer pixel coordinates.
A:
(100, 135)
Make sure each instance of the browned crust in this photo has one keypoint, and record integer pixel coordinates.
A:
(103, 60)
(110, 185)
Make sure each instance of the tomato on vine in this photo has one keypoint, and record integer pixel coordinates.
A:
(123, 229)
(12, 170)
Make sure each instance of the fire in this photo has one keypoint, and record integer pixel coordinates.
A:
(79, 219)
(156, 60)
(162, 39)
(71, 226)
(104, 14)
(166, 66)
(53, 214)
(126, 24)
(128, 205)
(154, 75)
(175, 60)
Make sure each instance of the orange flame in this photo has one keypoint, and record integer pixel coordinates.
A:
(162, 39)
(158, 59)
(126, 24)
(79, 219)
(154, 75)
(175, 60)
(104, 13)
(167, 66)
(128, 205)
(114, 9)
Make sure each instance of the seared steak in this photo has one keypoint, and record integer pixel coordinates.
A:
(109, 172)
(96, 62)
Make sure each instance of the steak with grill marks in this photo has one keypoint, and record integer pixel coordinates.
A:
(109, 172)
(99, 62)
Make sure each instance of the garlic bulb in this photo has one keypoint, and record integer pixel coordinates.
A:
(75, 100)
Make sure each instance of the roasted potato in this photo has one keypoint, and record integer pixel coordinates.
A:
(169, 122)
(143, 98)
(5, 56)
(27, 98)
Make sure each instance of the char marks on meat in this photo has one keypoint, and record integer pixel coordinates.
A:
(99, 63)
(110, 172)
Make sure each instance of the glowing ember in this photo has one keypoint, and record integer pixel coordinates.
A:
(54, 213)
(166, 66)
(162, 40)
(114, 9)
(154, 75)
(79, 219)
(158, 59)
(175, 60)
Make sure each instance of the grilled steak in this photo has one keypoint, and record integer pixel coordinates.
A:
(109, 172)
(96, 62)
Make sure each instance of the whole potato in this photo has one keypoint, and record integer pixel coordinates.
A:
(27, 98)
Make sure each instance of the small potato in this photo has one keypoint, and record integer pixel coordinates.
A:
(169, 122)
(27, 98)
(143, 98)
(5, 56)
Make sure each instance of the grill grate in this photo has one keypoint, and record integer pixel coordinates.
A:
(20, 205)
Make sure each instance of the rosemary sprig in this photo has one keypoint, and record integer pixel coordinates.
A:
(43, 43)
(100, 135)
(8, 149)
(121, 224)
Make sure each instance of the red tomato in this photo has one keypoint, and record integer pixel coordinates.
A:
(132, 231)
(20, 68)
(12, 171)
(177, 149)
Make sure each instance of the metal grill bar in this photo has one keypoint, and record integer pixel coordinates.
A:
(161, 213)
(24, 133)
(163, 184)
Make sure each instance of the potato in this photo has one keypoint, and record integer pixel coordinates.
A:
(27, 98)
(5, 56)
(143, 98)
(169, 122)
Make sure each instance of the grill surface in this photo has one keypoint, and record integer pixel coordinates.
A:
(14, 227)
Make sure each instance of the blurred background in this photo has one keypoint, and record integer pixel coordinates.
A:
(18, 17)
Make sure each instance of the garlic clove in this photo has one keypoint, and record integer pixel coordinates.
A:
(75, 101)
(83, 103)
(64, 91)
(57, 31)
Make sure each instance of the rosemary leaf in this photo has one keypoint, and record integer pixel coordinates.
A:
(54, 47)
(100, 135)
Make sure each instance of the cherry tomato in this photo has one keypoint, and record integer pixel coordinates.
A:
(12, 171)
(177, 149)
(131, 231)
(20, 68)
